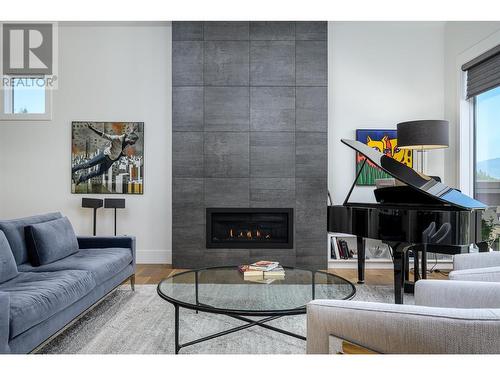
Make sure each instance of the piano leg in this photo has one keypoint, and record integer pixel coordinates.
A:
(416, 265)
(360, 244)
(361, 259)
(407, 265)
(399, 272)
(408, 286)
(424, 262)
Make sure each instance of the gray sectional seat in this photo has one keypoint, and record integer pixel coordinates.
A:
(101, 263)
(37, 301)
(36, 296)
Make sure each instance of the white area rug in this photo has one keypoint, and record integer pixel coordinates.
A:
(141, 322)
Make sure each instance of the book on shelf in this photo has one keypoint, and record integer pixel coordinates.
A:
(343, 249)
(336, 248)
(339, 247)
(333, 254)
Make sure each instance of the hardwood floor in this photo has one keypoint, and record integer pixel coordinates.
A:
(154, 273)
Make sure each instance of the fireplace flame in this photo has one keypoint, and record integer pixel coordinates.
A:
(248, 234)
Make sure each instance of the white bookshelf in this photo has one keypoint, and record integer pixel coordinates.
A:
(352, 262)
(370, 263)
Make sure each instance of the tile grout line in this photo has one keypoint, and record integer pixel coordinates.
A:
(203, 145)
(295, 156)
(249, 117)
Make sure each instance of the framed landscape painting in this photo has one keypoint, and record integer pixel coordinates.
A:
(107, 157)
(384, 141)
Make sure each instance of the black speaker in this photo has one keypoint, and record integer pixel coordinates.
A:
(114, 203)
(95, 204)
(91, 203)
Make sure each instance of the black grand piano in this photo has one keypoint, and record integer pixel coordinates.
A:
(423, 215)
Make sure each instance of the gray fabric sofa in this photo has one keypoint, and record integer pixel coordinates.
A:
(476, 267)
(449, 317)
(40, 301)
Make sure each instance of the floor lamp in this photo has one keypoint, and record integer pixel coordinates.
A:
(423, 135)
(114, 203)
(95, 204)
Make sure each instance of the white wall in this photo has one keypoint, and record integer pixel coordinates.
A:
(106, 73)
(381, 73)
(460, 37)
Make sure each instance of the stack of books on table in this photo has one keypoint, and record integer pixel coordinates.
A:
(264, 272)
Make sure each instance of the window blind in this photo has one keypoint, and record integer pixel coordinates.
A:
(483, 72)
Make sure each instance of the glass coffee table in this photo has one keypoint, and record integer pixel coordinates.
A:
(222, 290)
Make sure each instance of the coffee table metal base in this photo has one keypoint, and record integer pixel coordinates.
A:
(250, 323)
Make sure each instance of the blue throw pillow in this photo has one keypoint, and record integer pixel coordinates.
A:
(8, 267)
(50, 241)
(14, 231)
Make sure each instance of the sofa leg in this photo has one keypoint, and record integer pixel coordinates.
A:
(132, 282)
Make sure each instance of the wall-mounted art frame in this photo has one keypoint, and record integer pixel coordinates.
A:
(385, 141)
(107, 157)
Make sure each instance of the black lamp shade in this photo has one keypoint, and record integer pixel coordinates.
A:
(423, 134)
(114, 203)
(91, 203)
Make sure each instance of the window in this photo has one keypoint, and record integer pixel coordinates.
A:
(487, 160)
(25, 98)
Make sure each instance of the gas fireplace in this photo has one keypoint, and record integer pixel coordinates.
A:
(250, 228)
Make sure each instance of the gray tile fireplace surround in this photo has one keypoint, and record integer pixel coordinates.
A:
(249, 130)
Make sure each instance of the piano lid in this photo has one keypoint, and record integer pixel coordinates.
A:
(418, 181)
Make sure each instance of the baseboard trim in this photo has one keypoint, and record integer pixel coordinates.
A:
(154, 257)
(165, 257)
(378, 264)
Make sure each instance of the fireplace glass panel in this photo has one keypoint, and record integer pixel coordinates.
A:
(249, 228)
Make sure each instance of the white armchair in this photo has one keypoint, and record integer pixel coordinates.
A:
(448, 317)
(476, 267)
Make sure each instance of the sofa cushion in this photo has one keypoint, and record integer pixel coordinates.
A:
(36, 296)
(102, 263)
(491, 274)
(14, 231)
(8, 267)
(50, 241)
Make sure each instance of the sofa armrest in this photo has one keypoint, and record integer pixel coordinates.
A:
(90, 242)
(389, 328)
(457, 294)
(476, 260)
(4, 322)
(477, 274)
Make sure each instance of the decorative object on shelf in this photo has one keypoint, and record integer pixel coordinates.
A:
(94, 203)
(107, 157)
(423, 135)
(114, 203)
(378, 251)
(385, 141)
